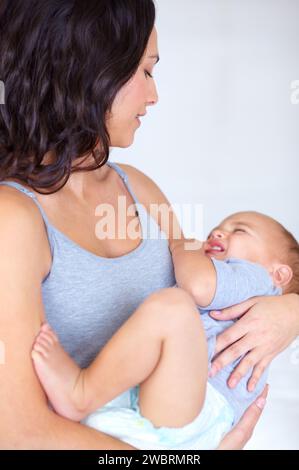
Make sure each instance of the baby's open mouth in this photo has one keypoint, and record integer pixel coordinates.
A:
(214, 247)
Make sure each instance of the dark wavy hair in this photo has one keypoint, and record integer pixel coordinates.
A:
(62, 63)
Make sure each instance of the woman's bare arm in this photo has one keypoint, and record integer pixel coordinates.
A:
(26, 421)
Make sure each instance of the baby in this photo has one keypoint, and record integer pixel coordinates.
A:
(247, 255)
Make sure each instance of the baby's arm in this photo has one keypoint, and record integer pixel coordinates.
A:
(216, 284)
(239, 280)
(194, 271)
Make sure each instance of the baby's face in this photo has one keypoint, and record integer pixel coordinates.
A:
(245, 235)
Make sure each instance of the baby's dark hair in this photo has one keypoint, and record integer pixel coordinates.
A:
(62, 63)
(291, 257)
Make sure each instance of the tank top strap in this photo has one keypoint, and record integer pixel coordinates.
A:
(30, 194)
(150, 228)
(125, 178)
(19, 186)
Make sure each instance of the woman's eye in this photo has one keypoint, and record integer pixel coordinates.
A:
(239, 230)
(147, 74)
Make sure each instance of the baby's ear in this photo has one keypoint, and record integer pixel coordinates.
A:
(282, 275)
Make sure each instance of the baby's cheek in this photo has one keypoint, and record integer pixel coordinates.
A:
(238, 249)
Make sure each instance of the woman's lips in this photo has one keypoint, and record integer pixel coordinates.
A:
(139, 115)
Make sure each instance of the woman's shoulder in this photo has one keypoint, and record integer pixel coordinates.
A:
(145, 188)
(22, 223)
(154, 200)
(15, 204)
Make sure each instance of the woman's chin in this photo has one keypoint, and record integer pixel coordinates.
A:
(124, 143)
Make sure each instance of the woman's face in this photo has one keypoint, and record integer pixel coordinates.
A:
(133, 98)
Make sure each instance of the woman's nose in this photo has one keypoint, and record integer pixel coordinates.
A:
(153, 97)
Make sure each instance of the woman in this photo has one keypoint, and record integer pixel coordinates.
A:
(76, 76)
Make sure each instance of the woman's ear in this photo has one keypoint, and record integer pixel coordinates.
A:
(282, 275)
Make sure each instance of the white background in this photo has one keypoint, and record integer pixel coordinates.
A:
(225, 135)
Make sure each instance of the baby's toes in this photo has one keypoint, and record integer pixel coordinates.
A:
(46, 338)
(44, 343)
(39, 351)
(45, 328)
(53, 336)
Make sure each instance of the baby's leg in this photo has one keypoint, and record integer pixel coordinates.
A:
(161, 346)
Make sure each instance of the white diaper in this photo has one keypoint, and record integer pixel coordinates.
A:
(121, 419)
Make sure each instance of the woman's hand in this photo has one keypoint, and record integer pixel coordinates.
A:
(269, 325)
(242, 432)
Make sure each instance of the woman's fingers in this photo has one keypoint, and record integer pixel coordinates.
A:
(236, 311)
(231, 354)
(242, 432)
(256, 338)
(258, 371)
(231, 335)
(247, 363)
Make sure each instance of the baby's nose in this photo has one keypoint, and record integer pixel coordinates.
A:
(217, 234)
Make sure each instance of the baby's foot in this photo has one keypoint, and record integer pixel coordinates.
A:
(60, 376)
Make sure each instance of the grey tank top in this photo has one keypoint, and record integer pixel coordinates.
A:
(88, 297)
